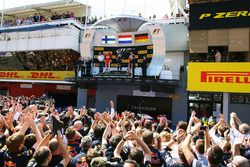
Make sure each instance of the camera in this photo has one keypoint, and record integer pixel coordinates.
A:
(203, 128)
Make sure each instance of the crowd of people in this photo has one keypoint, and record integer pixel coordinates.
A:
(34, 134)
(38, 17)
(53, 60)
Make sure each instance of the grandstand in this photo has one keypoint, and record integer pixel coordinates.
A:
(35, 58)
(59, 57)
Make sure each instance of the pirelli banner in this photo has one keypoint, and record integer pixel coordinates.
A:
(231, 14)
(219, 77)
(36, 75)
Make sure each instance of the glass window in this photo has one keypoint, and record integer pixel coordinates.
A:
(198, 41)
(218, 37)
(247, 99)
(237, 98)
(238, 57)
(52, 60)
(238, 40)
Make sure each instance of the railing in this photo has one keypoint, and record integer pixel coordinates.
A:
(207, 1)
(165, 73)
(57, 32)
(69, 21)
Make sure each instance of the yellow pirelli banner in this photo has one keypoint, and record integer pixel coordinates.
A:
(219, 77)
(36, 75)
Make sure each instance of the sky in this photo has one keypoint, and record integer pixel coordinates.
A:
(113, 7)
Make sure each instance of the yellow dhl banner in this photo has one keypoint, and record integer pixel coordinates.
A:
(36, 75)
(219, 77)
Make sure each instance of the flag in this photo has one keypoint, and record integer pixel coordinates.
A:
(139, 38)
(56, 125)
(108, 39)
(124, 39)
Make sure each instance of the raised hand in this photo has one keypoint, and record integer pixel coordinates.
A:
(131, 135)
(98, 116)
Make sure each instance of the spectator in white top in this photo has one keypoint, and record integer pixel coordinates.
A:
(217, 56)
(101, 62)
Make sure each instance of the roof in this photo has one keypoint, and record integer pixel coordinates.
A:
(42, 7)
(43, 25)
(122, 23)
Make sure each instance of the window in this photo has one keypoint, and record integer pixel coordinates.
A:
(240, 98)
(238, 57)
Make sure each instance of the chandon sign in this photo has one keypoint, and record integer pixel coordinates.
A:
(145, 108)
(231, 14)
(152, 106)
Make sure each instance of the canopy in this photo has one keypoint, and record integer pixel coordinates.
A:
(122, 23)
(42, 7)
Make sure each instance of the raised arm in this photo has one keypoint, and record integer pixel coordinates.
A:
(34, 127)
(191, 120)
(133, 136)
(186, 144)
(65, 154)
(207, 139)
(118, 148)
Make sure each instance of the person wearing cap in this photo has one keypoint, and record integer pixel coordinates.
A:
(86, 144)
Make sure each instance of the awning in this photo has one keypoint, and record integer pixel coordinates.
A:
(123, 23)
(42, 7)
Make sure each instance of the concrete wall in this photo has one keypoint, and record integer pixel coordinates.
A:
(242, 110)
(105, 93)
(176, 36)
(56, 38)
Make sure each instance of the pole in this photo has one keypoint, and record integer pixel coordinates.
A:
(124, 6)
(225, 106)
(86, 17)
(104, 8)
(2, 13)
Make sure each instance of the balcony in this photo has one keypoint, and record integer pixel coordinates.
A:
(206, 1)
(60, 34)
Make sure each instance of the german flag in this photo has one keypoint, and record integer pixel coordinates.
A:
(139, 38)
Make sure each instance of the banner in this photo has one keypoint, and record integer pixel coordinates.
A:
(36, 75)
(231, 14)
(138, 51)
(219, 77)
(152, 106)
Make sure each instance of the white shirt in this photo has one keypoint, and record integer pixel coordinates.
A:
(100, 58)
(112, 113)
(217, 57)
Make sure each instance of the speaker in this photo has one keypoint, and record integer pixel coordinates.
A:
(164, 89)
(145, 88)
(82, 86)
(182, 68)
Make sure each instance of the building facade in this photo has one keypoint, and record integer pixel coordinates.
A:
(219, 51)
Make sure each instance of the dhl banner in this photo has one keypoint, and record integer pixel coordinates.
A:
(36, 75)
(219, 77)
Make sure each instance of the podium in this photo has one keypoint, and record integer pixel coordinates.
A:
(166, 74)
